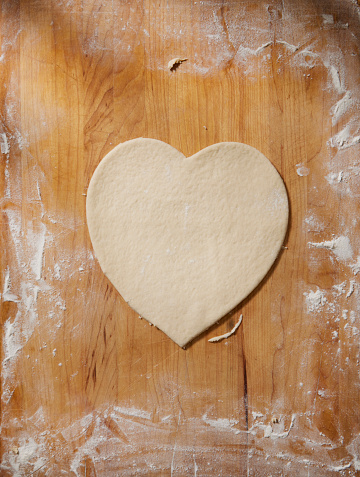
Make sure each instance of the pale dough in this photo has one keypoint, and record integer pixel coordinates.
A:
(184, 240)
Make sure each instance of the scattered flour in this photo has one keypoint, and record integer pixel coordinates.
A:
(103, 444)
(339, 246)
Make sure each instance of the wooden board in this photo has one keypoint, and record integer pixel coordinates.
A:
(89, 389)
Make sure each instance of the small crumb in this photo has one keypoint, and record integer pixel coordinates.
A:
(15, 450)
(60, 364)
(175, 62)
(275, 420)
(54, 352)
(205, 128)
(302, 170)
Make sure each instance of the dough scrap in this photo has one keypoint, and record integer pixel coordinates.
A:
(175, 62)
(228, 334)
(185, 239)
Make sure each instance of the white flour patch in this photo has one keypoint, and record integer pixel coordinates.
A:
(315, 300)
(14, 224)
(339, 468)
(132, 411)
(351, 288)
(20, 329)
(108, 442)
(336, 80)
(305, 59)
(314, 224)
(57, 274)
(339, 246)
(328, 19)
(342, 106)
(21, 141)
(7, 191)
(345, 177)
(4, 144)
(11, 340)
(289, 46)
(37, 241)
(347, 137)
(221, 424)
(334, 178)
(244, 53)
(26, 457)
(339, 289)
(77, 428)
(355, 267)
(7, 293)
(89, 449)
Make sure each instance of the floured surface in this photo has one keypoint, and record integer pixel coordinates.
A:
(280, 396)
(185, 240)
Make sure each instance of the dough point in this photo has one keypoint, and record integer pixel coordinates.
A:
(184, 240)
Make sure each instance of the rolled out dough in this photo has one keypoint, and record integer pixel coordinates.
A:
(184, 240)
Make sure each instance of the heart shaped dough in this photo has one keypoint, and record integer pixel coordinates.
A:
(184, 240)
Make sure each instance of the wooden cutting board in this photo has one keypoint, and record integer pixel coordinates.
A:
(87, 387)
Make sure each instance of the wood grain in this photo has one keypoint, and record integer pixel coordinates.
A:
(87, 387)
